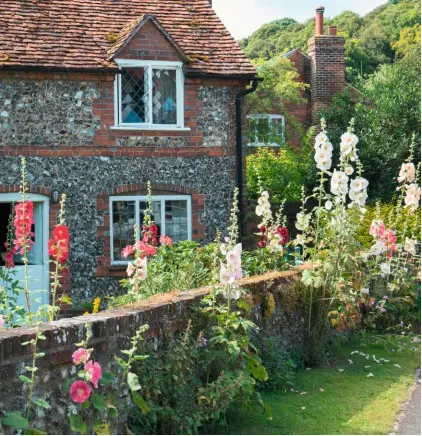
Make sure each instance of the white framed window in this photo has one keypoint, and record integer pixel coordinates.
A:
(149, 95)
(172, 215)
(266, 130)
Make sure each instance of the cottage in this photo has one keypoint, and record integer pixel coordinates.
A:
(101, 96)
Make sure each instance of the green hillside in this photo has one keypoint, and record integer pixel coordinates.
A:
(369, 39)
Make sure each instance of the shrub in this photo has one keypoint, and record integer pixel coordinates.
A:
(282, 173)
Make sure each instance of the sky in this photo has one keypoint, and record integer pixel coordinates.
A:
(243, 17)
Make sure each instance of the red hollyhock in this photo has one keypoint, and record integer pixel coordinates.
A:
(145, 249)
(284, 235)
(58, 246)
(150, 234)
(23, 221)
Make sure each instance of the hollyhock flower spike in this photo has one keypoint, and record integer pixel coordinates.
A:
(166, 240)
(407, 173)
(81, 355)
(23, 221)
(8, 260)
(94, 372)
(413, 196)
(80, 391)
(130, 269)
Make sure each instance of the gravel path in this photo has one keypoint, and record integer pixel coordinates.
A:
(409, 422)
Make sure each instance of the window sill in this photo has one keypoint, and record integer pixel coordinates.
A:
(152, 129)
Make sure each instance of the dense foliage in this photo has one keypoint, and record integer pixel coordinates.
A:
(369, 39)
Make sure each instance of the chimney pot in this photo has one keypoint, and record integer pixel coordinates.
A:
(319, 20)
(332, 30)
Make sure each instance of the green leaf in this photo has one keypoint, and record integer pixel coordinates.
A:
(98, 402)
(101, 428)
(24, 379)
(133, 382)
(34, 431)
(257, 370)
(76, 424)
(15, 420)
(233, 348)
(123, 364)
(107, 379)
(42, 403)
(140, 402)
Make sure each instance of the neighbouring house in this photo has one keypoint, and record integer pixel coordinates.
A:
(102, 96)
(323, 69)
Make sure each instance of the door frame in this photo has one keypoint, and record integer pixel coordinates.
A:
(10, 197)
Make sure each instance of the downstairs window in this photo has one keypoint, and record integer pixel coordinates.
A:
(172, 215)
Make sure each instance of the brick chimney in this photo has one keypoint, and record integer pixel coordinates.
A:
(327, 65)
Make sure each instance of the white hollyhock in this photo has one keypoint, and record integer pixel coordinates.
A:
(358, 184)
(413, 195)
(349, 170)
(407, 173)
(302, 221)
(327, 147)
(349, 138)
(358, 197)
(339, 181)
(328, 205)
(323, 160)
(320, 138)
(409, 245)
(385, 268)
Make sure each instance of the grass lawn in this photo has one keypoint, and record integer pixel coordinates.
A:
(350, 403)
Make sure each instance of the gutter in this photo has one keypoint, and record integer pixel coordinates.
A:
(239, 148)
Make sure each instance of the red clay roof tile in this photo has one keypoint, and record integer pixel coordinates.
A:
(75, 34)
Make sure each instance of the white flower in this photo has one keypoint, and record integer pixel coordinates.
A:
(365, 291)
(234, 257)
(385, 268)
(300, 240)
(346, 149)
(358, 184)
(327, 147)
(358, 197)
(370, 375)
(397, 365)
(349, 170)
(407, 173)
(350, 361)
(328, 205)
(339, 182)
(409, 245)
(349, 138)
(320, 138)
(323, 160)
(413, 195)
(223, 249)
(367, 366)
(341, 370)
(302, 221)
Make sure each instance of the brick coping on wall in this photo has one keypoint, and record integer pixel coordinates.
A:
(161, 312)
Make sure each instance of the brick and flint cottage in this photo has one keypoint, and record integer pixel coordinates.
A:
(102, 96)
(323, 70)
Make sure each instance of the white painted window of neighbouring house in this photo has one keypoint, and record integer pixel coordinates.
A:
(149, 95)
(172, 215)
(266, 130)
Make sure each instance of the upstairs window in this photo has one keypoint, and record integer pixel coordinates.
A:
(266, 130)
(171, 213)
(149, 95)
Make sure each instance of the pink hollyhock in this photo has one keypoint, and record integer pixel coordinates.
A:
(145, 249)
(61, 233)
(130, 269)
(81, 355)
(234, 256)
(150, 234)
(141, 265)
(80, 391)
(1, 321)
(94, 371)
(127, 251)
(166, 240)
(8, 260)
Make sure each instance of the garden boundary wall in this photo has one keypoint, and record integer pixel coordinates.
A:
(276, 308)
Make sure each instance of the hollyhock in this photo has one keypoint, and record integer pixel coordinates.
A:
(1, 321)
(128, 251)
(141, 268)
(349, 170)
(23, 221)
(413, 195)
(150, 234)
(321, 138)
(80, 391)
(328, 205)
(145, 249)
(409, 245)
(358, 184)
(302, 221)
(323, 160)
(166, 240)
(234, 256)
(349, 138)
(58, 250)
(130, 269)
(8, 260)
(61, 233)
(81, 355)
(283, 233)
(377, 228)
(338, 185)
(407, 173)
(385, 268)
(94, 372)
(358, 197)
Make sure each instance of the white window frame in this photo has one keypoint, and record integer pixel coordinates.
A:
(270, 117)
(149, 65)
(139, 198)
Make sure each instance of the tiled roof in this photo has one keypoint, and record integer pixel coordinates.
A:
(81, 34)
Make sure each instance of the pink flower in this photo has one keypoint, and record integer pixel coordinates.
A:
(166, 240)
(1, 321)
(141, 265)
(81, 355)
(234, 256)
(94, 371)
(80, 391)
(127, 251)
(130, 269)
(145, 249)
